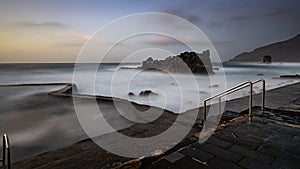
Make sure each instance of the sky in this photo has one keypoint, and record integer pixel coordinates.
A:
(55, 31)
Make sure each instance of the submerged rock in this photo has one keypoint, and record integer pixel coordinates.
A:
(130, 94)
(214, 86)
(197, 63)
(260, 74)
(147, 93)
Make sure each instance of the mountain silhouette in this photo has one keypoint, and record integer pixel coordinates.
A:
(284, 51)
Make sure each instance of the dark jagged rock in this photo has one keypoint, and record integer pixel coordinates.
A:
(267, 59)
(147, 93)
(197, 63)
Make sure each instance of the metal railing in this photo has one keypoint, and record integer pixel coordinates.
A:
(234, 89)
(263, 93)
(6, 161)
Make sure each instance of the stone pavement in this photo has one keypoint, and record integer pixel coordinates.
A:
(271, 141)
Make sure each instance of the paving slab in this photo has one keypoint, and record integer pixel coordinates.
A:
(222, 153)
(258, 156)
(197, 154)
(251, 163)
(219, 143)
(174, 157)
(164, 164)
(190, 163)
(220, 163)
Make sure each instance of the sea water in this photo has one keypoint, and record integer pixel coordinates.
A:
(176, 92)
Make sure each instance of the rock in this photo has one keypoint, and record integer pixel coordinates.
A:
(203, 92)
(297, 76)
(68, 91)
(260, 74)
(173, 84)
(147, 93)
(197, 63)
(266, 59)
(130, 94)
(213, 86)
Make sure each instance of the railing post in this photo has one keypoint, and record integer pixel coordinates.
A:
(220, 106)
(204, 113)
(8, 157)
(6, 153)
(3, 152)
(263, 95)
(250, 102)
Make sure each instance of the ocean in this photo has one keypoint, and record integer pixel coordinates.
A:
(176, 92)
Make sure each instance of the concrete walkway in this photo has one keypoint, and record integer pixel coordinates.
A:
(266, 143)
(271, 141)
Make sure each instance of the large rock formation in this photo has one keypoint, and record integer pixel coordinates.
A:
(197, 63)
(285, 51)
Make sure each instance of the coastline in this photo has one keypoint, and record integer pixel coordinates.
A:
(65, 103)
(87, 148)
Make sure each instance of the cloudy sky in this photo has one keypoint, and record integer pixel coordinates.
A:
(54, 31)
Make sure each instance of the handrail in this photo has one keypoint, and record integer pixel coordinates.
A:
(234, 89)
(222, 93)
(263, 93)
(6, 153)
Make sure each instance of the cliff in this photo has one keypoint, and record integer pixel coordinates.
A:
(197, 63)
(284, 51)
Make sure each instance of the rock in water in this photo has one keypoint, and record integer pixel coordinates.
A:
(197, 63)
(147, 93)
(267, 59)
(130, 94)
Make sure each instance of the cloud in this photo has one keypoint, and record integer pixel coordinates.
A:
(241, 18)
(214, 25)
(273, 13)
(73, 35)
(181, 13)
(71, 38)
(167, 41)
(41, 24)
(223, 42)
(277, 12)
(77, 39)
(163, 40)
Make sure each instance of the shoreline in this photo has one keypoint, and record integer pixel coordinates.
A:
(64, 105)
(114, 160)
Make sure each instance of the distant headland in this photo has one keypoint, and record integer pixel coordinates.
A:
(284, 51)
